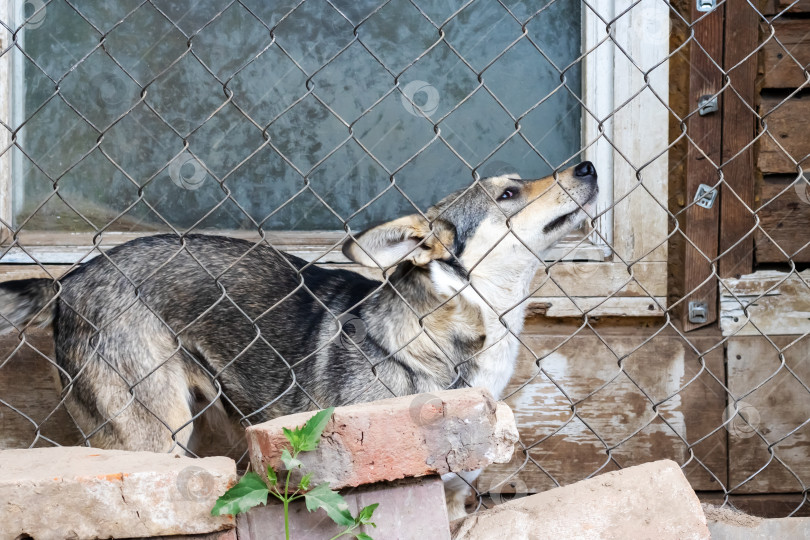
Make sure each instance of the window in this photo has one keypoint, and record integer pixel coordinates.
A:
(133, 118)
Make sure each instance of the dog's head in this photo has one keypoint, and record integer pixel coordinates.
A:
(491, 227)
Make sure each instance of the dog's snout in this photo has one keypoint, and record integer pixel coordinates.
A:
(585, 171)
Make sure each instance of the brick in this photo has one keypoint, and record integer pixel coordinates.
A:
(653, 500)
(91, 493)
(411, 509)
(410, 436)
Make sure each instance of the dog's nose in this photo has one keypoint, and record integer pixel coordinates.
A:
(586, 171)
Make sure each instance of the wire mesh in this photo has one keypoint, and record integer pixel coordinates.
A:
(716, 408)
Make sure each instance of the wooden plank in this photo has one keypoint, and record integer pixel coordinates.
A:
(784, 221)
(786, 123)
(10, 272)
(768, 505)
(567, 447)
(579, 280)
(783, 310)
(640, 219)
(7, 117)
(783, 60)
(575, 279)
(772, 505)
(29, 383)
(562, 307)
(597, 69)
(703, 158)
(792, 6)
(61, 248)
(739, 131)
(601, 279)
(778, 403)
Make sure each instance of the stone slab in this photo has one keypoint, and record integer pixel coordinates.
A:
(79, 492)
(653, 500)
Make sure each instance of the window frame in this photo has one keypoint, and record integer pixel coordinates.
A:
(637, 237)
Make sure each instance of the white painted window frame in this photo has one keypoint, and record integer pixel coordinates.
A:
(626, 235)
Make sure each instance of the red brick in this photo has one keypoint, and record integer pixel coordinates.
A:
(410, 436)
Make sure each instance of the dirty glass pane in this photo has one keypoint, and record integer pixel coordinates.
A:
(145, 116)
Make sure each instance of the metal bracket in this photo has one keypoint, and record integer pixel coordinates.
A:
(706, 5)
(707, 105)
(705, 196)
(698, 312)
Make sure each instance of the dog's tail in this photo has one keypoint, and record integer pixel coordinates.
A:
(26, 301)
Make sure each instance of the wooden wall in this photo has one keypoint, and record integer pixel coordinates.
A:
(784, 149)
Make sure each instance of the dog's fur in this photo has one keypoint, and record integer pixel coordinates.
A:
(164, 327)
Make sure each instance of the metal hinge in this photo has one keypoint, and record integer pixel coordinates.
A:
(705, 196)
(707, 105)
(698, 312)
(706, 5)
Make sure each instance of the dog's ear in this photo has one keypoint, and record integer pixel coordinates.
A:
(411, 238)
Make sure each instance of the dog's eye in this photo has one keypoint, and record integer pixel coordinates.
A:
(507, 194)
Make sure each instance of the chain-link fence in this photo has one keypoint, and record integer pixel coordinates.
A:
(296, 127)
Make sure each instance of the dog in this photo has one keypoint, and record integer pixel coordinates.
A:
(163, 328)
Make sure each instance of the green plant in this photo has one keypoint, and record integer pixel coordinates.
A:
(252, 490)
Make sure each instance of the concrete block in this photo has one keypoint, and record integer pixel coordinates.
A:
(410, 436)
(727, 524)
(411, 509)
(653, 500)
(79, 492)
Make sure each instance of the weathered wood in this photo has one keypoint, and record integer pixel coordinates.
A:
(786, 123)
(579, 280)
(802, 6)
(703, 158)
(29, 383)
(9, 272)
(568, 448)
(640, 219)
(783, 310)
(6, 116)
(597, 72)
(771, 505)
(601, 279)
(783, 60)
(739, 131)
(784, 215)
(777, 404)
(323, 246)
(560, 306)
(591, 281)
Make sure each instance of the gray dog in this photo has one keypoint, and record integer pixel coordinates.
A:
(163, 328)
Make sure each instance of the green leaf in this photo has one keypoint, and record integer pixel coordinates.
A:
(366, 513)
(294, 437)
(290, 462)
(304, 484)
(310, 434)
(249, 492)
(271, 476)
(363, 536)
(331, 501)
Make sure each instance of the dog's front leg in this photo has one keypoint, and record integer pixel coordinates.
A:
(456, 489)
